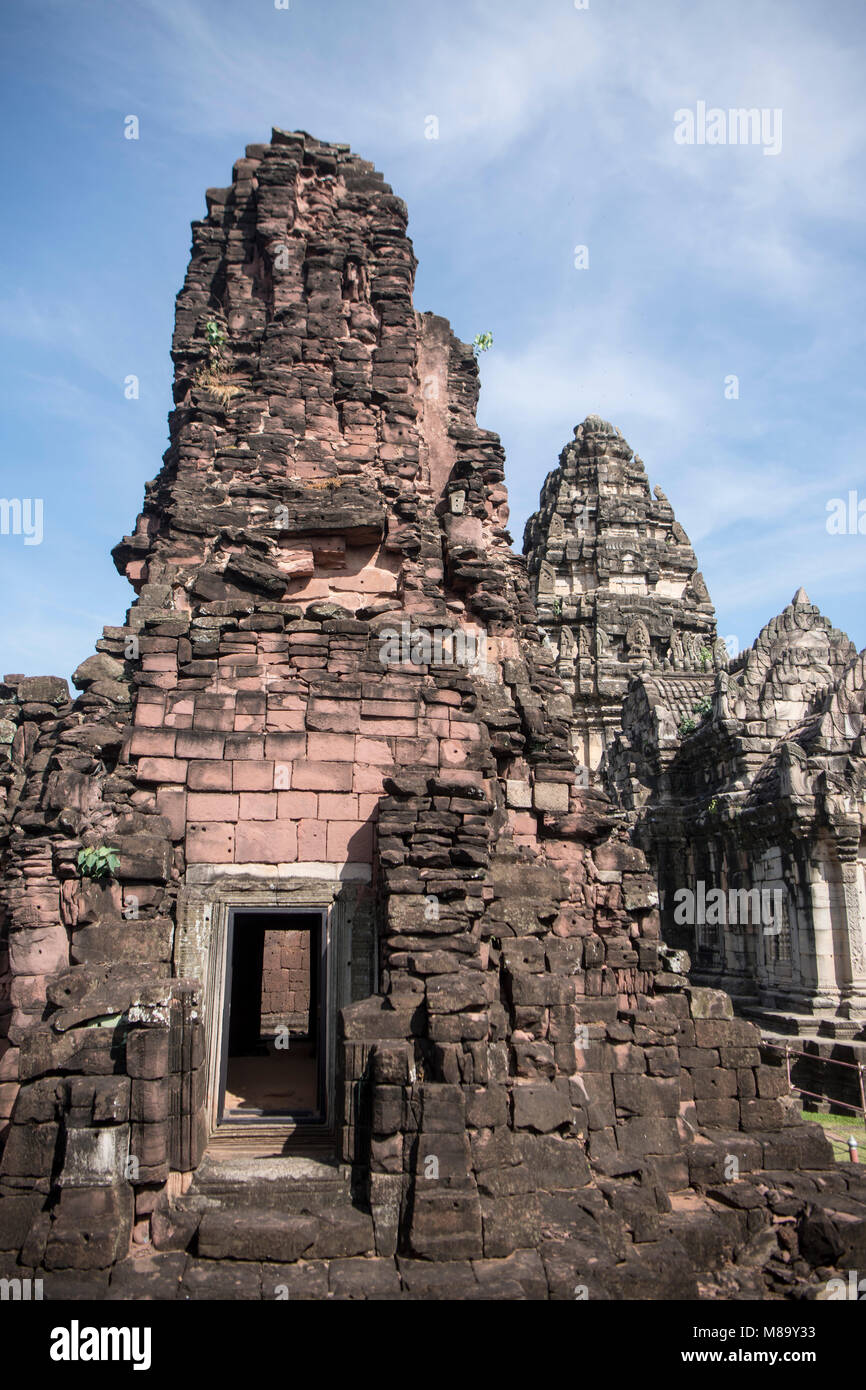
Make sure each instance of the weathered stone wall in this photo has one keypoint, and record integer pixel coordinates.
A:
(275, 721)
(285, 997)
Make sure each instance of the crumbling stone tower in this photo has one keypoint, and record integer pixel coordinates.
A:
(615, 580)
(519, 1091)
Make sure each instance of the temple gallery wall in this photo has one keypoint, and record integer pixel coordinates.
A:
(343, 938)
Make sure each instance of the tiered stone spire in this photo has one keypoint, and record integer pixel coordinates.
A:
(794, 659)
(616, 581)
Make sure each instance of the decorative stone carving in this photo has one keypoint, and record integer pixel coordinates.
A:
(637, 640)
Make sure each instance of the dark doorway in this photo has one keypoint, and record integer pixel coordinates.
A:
(273, 1026)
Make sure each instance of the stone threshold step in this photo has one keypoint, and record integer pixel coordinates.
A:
(260, 1233)
(284, 1185)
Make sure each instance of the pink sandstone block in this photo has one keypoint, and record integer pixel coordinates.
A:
(222, 719)
(297, 805)
(159, 661)
(177, 721)
(414, 751)
(258, 805)
(368, 806)
(159, 680)
(368, 779)
(9, 1059)
(28, 991)
(8, 1092)
(249, 747)
(468, 730)
(522, 823)
(266, 842)
(171, 802)
(337, 806)
(326, 777)
(394, 728)
(343, 720)
(237, 660)
(249, 723)
(199, 743)
(210, 777)
(370, 579)
(336, 747)
(211, 843)
(182, 706)
(40, 951)
(251, 704)
(156, 743)
(434, 725)
(217, 806)
(284, 748)
(388, 709)
(290, 720)
(453, 752)
(252, 776)
(162, 770)
(312, 840)
(150, 715)
(373, 750)
(349, 841)
(285, 700)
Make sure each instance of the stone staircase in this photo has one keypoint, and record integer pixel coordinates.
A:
(780, 1023)
(273, 1208)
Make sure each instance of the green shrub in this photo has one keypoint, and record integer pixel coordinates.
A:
(214, 335)
(100, 861)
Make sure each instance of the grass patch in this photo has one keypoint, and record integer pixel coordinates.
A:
(840, 1126)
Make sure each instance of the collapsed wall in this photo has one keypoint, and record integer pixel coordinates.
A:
(332, 693)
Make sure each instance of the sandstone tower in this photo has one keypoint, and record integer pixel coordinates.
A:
(615, 581)
(331, 711)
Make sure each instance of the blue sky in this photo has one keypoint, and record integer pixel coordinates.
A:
(556, 130)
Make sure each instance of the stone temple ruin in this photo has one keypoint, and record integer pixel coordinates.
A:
(742, 776)
(362, 989)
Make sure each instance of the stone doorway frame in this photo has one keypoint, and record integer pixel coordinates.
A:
(204, 911)
(322, 1040)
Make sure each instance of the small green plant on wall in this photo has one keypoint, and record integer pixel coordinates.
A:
(687, 726)
(214, 334)
(482, 342)
(211, 376)
(98, 862)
